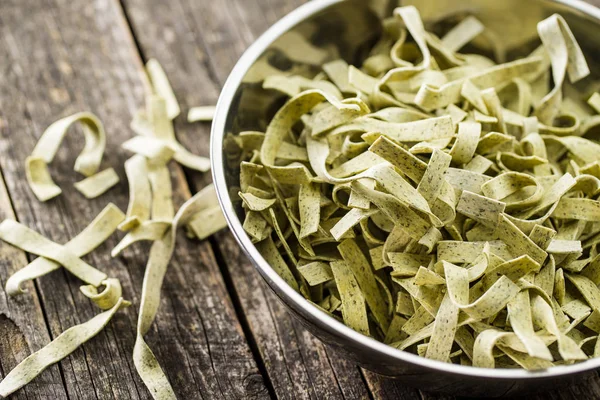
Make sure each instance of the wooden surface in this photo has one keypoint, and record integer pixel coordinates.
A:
(219, 333)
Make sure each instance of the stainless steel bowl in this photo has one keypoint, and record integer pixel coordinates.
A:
(348, 28)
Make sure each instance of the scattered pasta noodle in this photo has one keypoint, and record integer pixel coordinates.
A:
(150, 216)
(97, 184)
(156, 121)
(87, 163)
(158, 260)
(201, 114)
(96, 233)
(437, 201)
(59, 348)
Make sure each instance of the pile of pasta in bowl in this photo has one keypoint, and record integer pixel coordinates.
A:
(438, 201)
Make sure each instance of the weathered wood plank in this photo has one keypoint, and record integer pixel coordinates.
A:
(65, 56)
(385, 388)
(198, 44)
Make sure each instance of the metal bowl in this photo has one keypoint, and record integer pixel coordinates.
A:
(346, 28)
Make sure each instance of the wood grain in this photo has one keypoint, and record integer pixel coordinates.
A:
(65, 56)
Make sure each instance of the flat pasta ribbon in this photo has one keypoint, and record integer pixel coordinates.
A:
(32, 242)
(87, 163)
(156, 268)
(66, 343)
(91, 237)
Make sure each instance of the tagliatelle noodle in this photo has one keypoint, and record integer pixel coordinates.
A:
(107, 298)
(97, 184)
(466, 142)
(509, 183)
(430, 184)
(544, 317)
(158, 260)
(316, 272)
(156, 126)
(162, 87)
(147, 230)
(481, 209)
(140, 195)
(206, 223)
(87, 163)
(91, 237)
(444, 330)
(89, 159)
(566, 57)
(162, 193)
(463, 33)
(359, 265)
(152, 148)
(59, 348)
(353, 302)
(40, 181)
(32, 242)
(202, 114)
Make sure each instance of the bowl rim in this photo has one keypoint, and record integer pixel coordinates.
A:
(283, 290)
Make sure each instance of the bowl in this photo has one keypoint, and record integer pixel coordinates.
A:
(346, 28)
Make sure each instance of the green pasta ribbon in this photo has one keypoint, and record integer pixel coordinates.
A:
(91, 237)
(87, 163)
(158, 260)
(59, 348)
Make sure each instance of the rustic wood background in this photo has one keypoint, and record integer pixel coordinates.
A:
(220, 333)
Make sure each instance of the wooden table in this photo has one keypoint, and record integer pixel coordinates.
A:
(220, 333)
